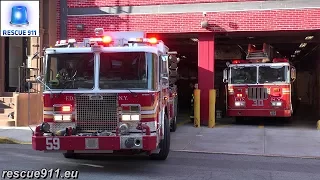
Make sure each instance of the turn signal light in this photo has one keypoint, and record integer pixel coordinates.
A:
(276, 89)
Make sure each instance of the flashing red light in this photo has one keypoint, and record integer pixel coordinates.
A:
(153, 40)
(235, 62)
(64, 108)
(239, 61)
(106, 39)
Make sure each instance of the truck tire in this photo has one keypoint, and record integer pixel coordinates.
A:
(70, 155)
(164, 144)
(174, 124)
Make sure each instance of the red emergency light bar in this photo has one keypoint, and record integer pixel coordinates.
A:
(276, 60)
(107, 40)
(152, 40)
(104, 39)
(65, 42)
(62, 108)
(239, 61)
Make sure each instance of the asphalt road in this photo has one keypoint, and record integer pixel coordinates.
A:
(179, 165)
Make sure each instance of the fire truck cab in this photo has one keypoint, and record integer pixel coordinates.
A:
(259, 87)
(107, 94)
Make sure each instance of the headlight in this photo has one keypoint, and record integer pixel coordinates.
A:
(239, 103)
(62, 117)
(276, 103)
(130, 117)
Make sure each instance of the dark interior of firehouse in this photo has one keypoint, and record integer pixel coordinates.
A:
(301, 48)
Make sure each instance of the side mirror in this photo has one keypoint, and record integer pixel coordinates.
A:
(225, 75)
(293, 74)
(39, 79)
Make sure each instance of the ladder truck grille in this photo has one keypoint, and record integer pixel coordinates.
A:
(257, 93)
(95, 112)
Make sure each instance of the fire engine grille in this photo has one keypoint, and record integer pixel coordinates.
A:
(257, 93)
(96, 112)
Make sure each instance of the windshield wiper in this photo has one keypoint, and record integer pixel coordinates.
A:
(66, 86)
(133, 93)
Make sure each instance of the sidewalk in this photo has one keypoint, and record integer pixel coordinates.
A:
(229, 139)
(16, 135)
(249, 140)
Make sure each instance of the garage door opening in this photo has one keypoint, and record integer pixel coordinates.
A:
(302, 51)
(186, 46)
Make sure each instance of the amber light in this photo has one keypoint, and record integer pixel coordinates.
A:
(153, 40)
(106, 39)
(276, 89)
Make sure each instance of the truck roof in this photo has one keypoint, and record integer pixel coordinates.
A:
(261, 64)
(57, 50)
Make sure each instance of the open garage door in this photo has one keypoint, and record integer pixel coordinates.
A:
(302, 51)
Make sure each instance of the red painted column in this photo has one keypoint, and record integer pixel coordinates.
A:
(205, 72)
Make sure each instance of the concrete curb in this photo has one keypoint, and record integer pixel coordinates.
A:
(6, 140)
(248, 154)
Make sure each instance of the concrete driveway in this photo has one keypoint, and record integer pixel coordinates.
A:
(250, 140)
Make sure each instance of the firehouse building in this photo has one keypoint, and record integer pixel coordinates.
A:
(16, 52)
(79, 18)
(206, 19)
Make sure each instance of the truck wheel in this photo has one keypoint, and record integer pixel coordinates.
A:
(69, 155)
(174, 124)
(164, 144)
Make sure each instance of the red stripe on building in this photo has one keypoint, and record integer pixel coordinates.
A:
(269, 20)
(99, 3)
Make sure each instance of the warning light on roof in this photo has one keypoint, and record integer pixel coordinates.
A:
(143, 40)
(106, 39)
(153, 40)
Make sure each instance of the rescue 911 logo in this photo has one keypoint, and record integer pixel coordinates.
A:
(20, 18)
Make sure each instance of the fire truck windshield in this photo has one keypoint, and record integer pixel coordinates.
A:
(70, 71)
(273, 74)
(128, 70)
(243, 75)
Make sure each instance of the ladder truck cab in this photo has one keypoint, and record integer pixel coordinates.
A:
(259, 87)
(108, 94)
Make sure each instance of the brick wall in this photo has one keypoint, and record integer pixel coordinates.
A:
(58, 19)
(269, 20)
(97, 3)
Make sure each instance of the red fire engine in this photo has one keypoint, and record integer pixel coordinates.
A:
(256, 87)
(108, 94)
